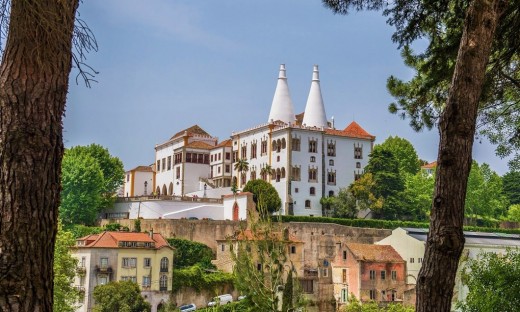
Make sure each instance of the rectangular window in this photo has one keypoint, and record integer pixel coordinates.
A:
(412, 260)
(331, 149)
(419, 260)
(244, 151)
(358, 152)
(344, 295)
(177, 158)
(325, 272)
(313, 146)
(188, 157)
(103, 263)
(307, 286)
(146, 281)
(228, 156)
(253, 150)
(127, 178)
(344, 276)
(178, 172)
(163, 164)
(313, 174)
(394, 275)
(372, 274)
(383, 275)
(373, 294)
(223, 247)
(147, 262)
(331, 178)
(228, 169)
(296, 173)
(169, 163)
(293, 249)
(102, 279)
(129, 262)
(158, 166)
(296, 144)
(344, 255)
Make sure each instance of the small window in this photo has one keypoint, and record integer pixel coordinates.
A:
(372, 274)
(223, 247)
(358, 165)
(373, 294)
(419, 260)
(312, 191)
(293, 249)
(344, 255)
(331, 193)
(313, 158)
(325, 272)
(147, 262)
(296, 190)
(308, 204)
(331, 162)
(259, 266)
(127, 178)
(383, 275)
(394, 275)
(412, 260)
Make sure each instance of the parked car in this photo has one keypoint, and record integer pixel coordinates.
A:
(220, 300)
(188, 307)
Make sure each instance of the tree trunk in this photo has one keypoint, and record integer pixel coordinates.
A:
(457, 128)
(33, 89)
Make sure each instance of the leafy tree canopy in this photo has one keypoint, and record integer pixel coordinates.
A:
(511, 182)
(404, 152)
(90, 179)
(65, 295)
(123, 296)
(264, 195)
(513, 214)
(354, 305)
(418, 195)
(188, 253)
(343, 205)
(493, 283)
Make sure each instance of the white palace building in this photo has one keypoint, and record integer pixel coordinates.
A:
(307, 156)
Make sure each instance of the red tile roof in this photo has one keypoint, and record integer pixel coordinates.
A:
(431, 165)
(200, 145)
(195, 129)
(374, 253)
(354, 130)
(225, 143)
(111, 239)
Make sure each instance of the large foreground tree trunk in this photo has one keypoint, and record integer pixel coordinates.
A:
(33, 89)
(457, 128)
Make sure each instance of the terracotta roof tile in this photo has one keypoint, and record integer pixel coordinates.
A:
(195, 129)
(431, 165)
(225, 143)
(200, 145)
(354, 130)
(374, 253)
(112, 239)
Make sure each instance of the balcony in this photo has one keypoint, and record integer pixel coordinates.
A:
(164, 269)
(81, 271)
(104, 269)
(163, 288)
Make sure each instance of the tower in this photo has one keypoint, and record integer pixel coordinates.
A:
(315, 109)
(282, 106)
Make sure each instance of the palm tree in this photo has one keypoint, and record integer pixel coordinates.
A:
(242, 166)
(266, 171)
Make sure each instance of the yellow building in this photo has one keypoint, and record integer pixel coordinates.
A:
(145, 258)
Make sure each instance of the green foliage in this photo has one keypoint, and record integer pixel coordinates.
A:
(137, 225)
(79, 230)
(493, 281)
(514, 213)
(484, 196)
(388, 184)
(197, 278)
(387, 224)
(341, 206)
(90, 179)
(264, 195)
(116, 227)
(288, 293)
(417, 197)
(82, 182)
(188, 253)
(404, 153)
(511, 183)
(262, 266)
(240, 306)
(123, 296)
(65, 295)
(354, 305)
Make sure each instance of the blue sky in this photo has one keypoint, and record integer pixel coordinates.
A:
(167, 65)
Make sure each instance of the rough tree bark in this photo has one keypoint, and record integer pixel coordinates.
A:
(457, 128)
(33, 87)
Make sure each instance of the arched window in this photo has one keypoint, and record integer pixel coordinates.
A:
(331, 193)
(278, 175)
(163, 283)
(235, 212)
(164, 192)
(274, 145)
(164, 264)
(278, 145)
(170, 189)
(307, 204)
(283, 143)
(158, 191)
(312, 191)
(283, 172)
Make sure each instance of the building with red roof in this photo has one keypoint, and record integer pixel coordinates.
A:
(144, 258)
